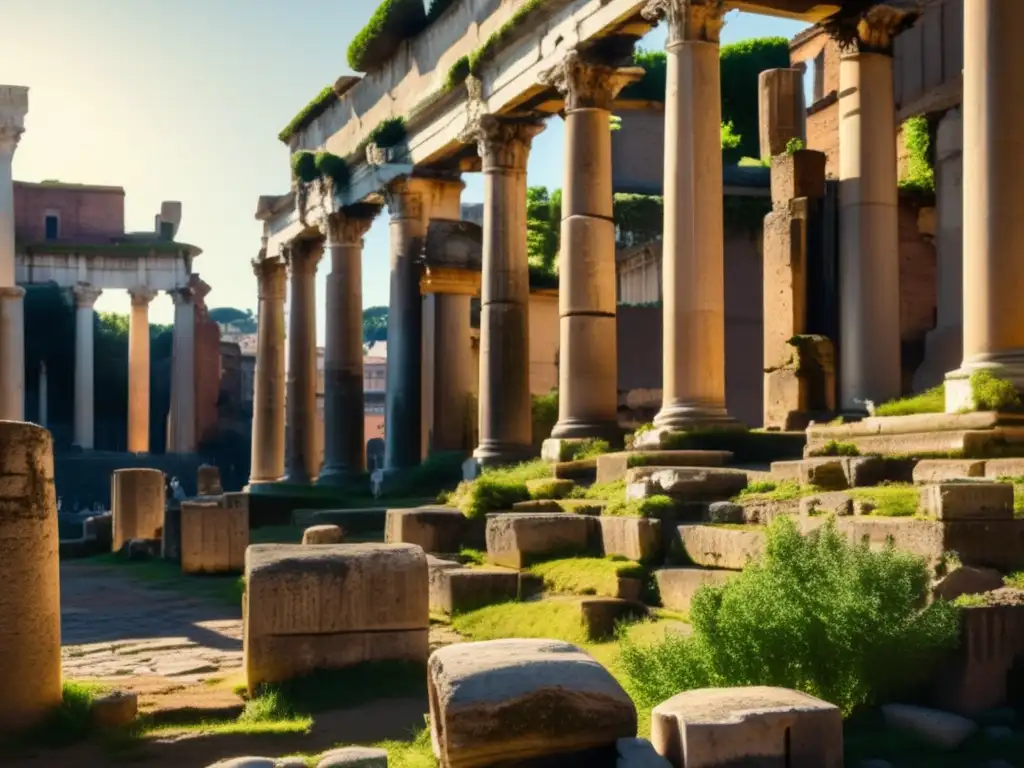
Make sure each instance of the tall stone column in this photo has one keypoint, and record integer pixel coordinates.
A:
(869, 269)
(182, 433)
(138, 370)
(587, 376)
(505, 421)
(301, 449)
(343, 350)
(269, 386)
(44, 395)
(13, 108)
(993, 167)
(85, 375)
(693, 279)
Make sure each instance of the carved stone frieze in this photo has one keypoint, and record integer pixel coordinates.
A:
(688, 20)
(586, 84)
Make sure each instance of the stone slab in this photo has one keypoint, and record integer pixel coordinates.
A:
(434, 528)
(968, 501)
(720, 727)
(997, 468)
(515, 540)
(714, 546)
(576, 506)
(685, 483)
(601, 615)
(465, 589)
(943, 470)
(613, 466)
(513, 701)
(634, 538)
(677, 586)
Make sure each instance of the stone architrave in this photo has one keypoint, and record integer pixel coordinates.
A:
(993, 227)
(269, 386)
(85, 373)
(138, 369)
(302, 258)
(781, 110)
(182, 433)
(343, 350)
(13, 108)
(30, 664)
(588, 382)
(693, 271)
(137, 501)
(505, 420)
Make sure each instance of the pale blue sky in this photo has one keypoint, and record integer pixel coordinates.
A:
(183, 100)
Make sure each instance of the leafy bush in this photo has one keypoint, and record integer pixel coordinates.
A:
(920, 175)
(389, 133)
(392, 23)
(730, 139)
(330, 166)
(304, 167)
(794, 145)
(890, 499)
(650, 506)
(930, 401)
(992, 393)
(817, 614)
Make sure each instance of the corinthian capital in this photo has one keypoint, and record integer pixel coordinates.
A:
(10, 134)
(873, 30)
(688, 20)
(586, 84)
(350, 225)
(86, 295)
(503, 142)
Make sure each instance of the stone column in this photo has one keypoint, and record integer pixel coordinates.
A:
(44, 395)
(693, 280)
(869, 270)
(301, 450)
(993, 224)
(505, 420)
(343, 349)
(182, 433)
(85, 376)
(13, 108)
(268, 387)
(138, 370)
(587, 376)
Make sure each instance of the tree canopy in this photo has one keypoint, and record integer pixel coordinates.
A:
(375, 324)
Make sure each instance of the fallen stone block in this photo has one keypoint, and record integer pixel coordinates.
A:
(940, 730)
(685, 484)
(968, 501)
(967, 580)
(836, 503)
(928, 471)
(515, 540)
(827, 474)
(718, 547)
(322, 534)
(717, 727)
(332, 606)
(613, 466)
(512, 701)
(354, 757)
(213, 538)
(634, 538)
(677, 586)
(114, 709)
(601, 614)
(435, 529)
(465, 589)
(725, 512)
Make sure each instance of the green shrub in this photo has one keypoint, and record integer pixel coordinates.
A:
(392, 23)
(457, 74)
(330, 166)
(794, 145)
(920, 176)
(993, 393)
(730, 139)
(836, 448)
(390, 133)
(817, 614)
(304, 167)
(930, 401)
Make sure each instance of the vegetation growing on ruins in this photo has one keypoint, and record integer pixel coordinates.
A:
(484, 54)
(930, 401)
(836, 448)
(496, 489)
(304, 167)
(392, 23)
(390, 132)
(544, 410)
(308, 114)
(730, 139)
(815, 613)
(457, 74)
(794, 145)
(993, 393)
(331, 168)
(587, 575)
(920, 174)
(71, 722)
(768, 490)
(889, 499)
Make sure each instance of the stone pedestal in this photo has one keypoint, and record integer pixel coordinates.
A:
(30, 664)
(301, 450)
(993, 227)
(268, 390)
(782, 113)
(137, 498)
(85, 376)
(213, 538)
(505, 420)
(344, 441)
(138, 370)
(182, 433)
(587, 378)
(13, 108)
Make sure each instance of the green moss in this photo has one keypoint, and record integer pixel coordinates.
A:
(993, 393)
(970, 601)
(392, 23)
(586, 449)
(308, 113)
(767, 490)
(890, 500)
(836, 448)
(658, 506)
(330, 166)
(304, 167)
(549, 488)
(920, 175)
(930, 401)
(587, 575)
(1015, 580)
(485, 53)
(457, 74)
(497, 489)
(794, 145)
(389, 133)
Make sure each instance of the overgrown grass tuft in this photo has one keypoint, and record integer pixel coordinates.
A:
(497, 489)
(587, 575)
(930, 401)
(890, 499)
(70, 723)
(836, 448)
(993, 393)
(1015, 580)
(769, 490)
(816, 613)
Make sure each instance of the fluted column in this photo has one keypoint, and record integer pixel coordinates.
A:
(588, 369)
(138, 369)
(85, 375)
(182, 432)
(269, 385)
(693, 287)
(505, 421)
(301, 451)
(13, 108)
(993, 228)
(343, 349)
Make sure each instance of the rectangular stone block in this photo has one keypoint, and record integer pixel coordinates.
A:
(634, 538)
(677, 586)
(465, 589)
(685, 483)
(968, 501)
(797, 175)
(780, 108)
(213, 538)
(613, 466)
(786, 471)
(941, 470)
(715, 546)
(515, 540)
(837, 473)
(436, 529)
(997, 468)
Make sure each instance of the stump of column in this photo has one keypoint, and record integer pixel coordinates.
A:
(269, 385)
(137, 501)
(30, 664)
(213, 537)
(301, 454)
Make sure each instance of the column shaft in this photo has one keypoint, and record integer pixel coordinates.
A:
(453, 371)
(13, 107)
(301, 453)
(269, 385)
(182, 431)
(138, 370)
(85, 376)
(12, 353)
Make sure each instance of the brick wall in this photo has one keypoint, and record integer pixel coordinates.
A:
(86, 213)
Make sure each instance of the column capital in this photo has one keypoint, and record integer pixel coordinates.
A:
(871, 31)
(699, 21)
(86, 295)
(350, 225)
(503, 142)
(141, 295)
(404, 199)
(10, 135)
(302, 256)
(589, 84)
(181, 296)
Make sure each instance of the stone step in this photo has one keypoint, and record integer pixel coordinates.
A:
(436, 529)
(582, 470)
(517, 540)
(721, 546)
(836, 473)
(685, 484)
(455, 588)
(613, 466)
(941, 470)
(677, 586)
(577, 506)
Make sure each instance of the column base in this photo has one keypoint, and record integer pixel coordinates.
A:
(295, 478)
(339, 476)
(584, 429)
(695, 418)
(493, 453)
(1005, 365)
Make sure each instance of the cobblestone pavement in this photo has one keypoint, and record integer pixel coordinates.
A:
(113, 626)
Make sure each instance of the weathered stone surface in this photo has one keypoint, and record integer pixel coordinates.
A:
(967, 580)
(717, 727)
(213, 538)
(436, 529)
(580, 470)
(516, 700)
(836, 503)
(115, 709)
(322, 534)
(639, 753)
(245, 762)
(463, 589)
(354, 757)
(634, 538)
(685, 483)
(137, 501)
(968, 501)
(677, 586)
(435, 567)
(941, 730)
(786, 471)
(576, 506)
(929, 471)
(208, 481)
(725, 512)
(827, 474)
(717, 547)
(997, 468)
(613, 466)
(514, 540)
(601, 614)
(331, 606)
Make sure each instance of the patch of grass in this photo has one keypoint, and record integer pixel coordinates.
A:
(497, 489)
(930, 401)
(554, 619)
(339, 689)
(769, 490)
(836, 448)
(164, 574)
(993, 393)
(890, 499)
(588, 449)
(69, 724)
(587, 575)
(618, 506)
(970, 601)
(549, 488)
(1015, 580)
(472, 556)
